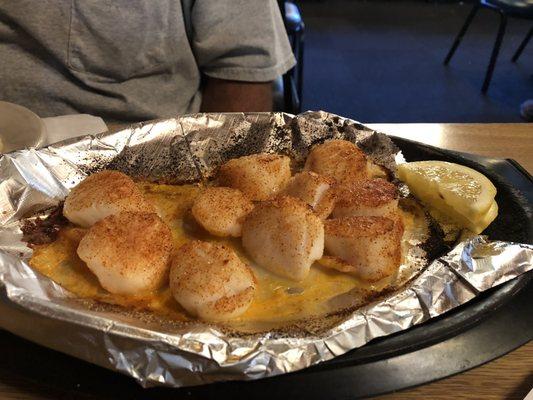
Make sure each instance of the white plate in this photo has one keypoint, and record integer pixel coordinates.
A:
(19, 128)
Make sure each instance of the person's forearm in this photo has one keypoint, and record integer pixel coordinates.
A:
(232, 96)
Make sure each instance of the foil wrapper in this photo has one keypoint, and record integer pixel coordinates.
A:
(188, 149)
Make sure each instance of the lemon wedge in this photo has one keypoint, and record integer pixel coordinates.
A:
(459, 192)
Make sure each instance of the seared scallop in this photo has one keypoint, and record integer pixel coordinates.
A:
(210, 281)
(258, 176)
(128, 252)
(372, 245)
(101, 194)
(370, 198)
(338, 159)
(315, 190)
(220, 210)
(284, 236)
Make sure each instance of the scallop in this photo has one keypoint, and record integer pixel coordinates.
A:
(370, 198)
(372, 245)
(284, 236)
(258, 176)
(101, 194)
(313, 189)
(128, 252)
(338, 159)
(221, 210)
(210, 281)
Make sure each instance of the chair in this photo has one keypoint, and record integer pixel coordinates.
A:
(288, 90)
(505, 8)
(522, 46)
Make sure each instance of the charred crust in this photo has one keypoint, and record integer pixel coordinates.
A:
(43, 230)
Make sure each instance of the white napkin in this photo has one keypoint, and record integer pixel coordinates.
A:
(69, 126)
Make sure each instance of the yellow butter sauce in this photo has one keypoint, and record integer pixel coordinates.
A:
(276, 300)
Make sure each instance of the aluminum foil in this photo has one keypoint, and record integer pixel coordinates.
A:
(188, 149)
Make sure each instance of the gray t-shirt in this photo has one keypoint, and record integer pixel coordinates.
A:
(131, 60)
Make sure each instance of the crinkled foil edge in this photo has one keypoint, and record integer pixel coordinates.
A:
(188, 149)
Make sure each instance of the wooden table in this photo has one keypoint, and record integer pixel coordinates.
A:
(509, 377)
(491, 140)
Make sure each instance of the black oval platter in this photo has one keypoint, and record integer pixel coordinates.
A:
(493, 324)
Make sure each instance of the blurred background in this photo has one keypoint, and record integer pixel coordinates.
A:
(382, 61)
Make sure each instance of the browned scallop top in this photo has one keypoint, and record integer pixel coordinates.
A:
(338, 148)
(105, 187)
(338, 159)
(289, 204)
(206, 268)
(221, 201)
(258, 175)
(130, 241)
(358, 226)
(372, 193)
(269, 162)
